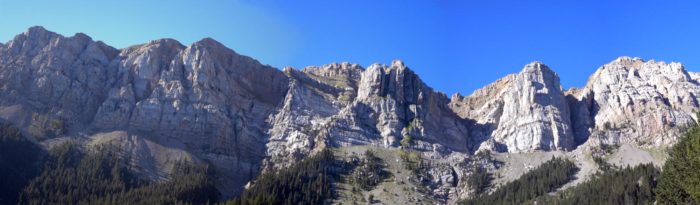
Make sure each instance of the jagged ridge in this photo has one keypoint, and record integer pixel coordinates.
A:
(205, 102)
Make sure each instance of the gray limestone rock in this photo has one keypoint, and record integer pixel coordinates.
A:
(521, 112)
(636, 102)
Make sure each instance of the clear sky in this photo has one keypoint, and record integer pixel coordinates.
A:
(455, 46)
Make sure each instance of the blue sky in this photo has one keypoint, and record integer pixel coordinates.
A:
(455, 46)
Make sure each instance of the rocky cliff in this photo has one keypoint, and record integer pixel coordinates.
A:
(636, 102)
(204, 98)
(163, 101)
(521, 112)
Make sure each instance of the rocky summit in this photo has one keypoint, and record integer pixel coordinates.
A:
(163, 102)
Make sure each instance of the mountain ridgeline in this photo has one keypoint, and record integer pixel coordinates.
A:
(162, 107)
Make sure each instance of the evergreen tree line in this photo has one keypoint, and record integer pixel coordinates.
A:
(544, 179)
(619, 186)
(306, 182)
(68, 174)
(19, 163)
(72, 175)
(680, 179)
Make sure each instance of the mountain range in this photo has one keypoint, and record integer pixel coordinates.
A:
(163, 102)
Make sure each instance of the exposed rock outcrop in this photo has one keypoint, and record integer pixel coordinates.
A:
(315, 95)
(399, 104)
(521, 112)
(345, 105)
(60, 81)
(636, 102)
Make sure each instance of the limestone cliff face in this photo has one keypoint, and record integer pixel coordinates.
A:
(346, 105)
(633, 101)
(521, 112)
(163, 102)
(401, 105)
(205, 97)
(625, 101)
(54, 83)
(391, 94)
(314, 97)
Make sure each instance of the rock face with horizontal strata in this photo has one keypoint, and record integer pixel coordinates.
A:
(204, 96)
(59, 82)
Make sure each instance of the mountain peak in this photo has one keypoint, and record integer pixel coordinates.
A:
(627, 59)
(627, 69)
(37, 32)
(536, 66)
(36, 29)
(82, 37)
(209, 42)
(165, 45)
(539, 72)
(213, 46)
(166, 41)
(397, 63)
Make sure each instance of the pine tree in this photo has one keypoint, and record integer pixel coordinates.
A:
(680, 180)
